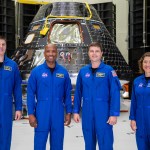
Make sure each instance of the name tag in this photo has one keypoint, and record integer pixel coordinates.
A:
(59, 75)
(100, 74)
(148, 85)
(8, 68)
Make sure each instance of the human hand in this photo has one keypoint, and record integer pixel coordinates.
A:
(67, 119)
(133, 125)
(112, 120)
(76, 118)
(32, 121)
(18, 115)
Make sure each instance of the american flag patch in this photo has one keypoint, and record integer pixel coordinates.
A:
(114, 74)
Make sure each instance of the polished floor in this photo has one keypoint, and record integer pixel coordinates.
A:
(124, 137)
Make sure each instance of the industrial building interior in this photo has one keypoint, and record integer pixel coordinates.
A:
(128, 22)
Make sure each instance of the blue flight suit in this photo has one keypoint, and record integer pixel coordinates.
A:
(140, 111)
(10, 86)
(47, 95)
(101, 99)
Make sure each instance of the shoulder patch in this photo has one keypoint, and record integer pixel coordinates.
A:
(8, 68)
(114, 74)
(59, 75)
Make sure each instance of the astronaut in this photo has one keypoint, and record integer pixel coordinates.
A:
(140, 104)
(48, 92)
(10, 87)
(98, 90)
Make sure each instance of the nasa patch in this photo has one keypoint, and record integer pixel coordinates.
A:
(87, 75)
(141, 85)
(44, 75)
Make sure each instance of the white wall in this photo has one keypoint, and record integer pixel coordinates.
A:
(122, 11)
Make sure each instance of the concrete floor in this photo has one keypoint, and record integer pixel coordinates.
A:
(124, 137)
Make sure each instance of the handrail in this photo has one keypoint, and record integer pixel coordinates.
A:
(32, 2)
(45, 28)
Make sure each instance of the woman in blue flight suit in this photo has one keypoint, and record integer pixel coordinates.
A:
(10, 85)
(99, 87)
(48, 92)
(140, 104)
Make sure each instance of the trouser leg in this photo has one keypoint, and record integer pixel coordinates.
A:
(143, 142)
(40, 139)
(105, 139)
(89, 136)
(57, 137)
(5, 138)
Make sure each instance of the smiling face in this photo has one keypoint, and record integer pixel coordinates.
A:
(146, 64)
(2, 47)
(50, 53)
(95, 54)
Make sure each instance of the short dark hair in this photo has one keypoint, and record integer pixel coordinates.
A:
(51, 45)
(95, 44)
(2, 37)
(140, 62)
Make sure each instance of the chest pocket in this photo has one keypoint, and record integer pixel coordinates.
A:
(100, 80)
(7, 74)
(139, 90)
(44, 82)
(59, 81)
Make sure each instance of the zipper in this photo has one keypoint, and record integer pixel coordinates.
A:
(142, 103)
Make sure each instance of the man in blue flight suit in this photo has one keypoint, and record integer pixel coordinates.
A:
(51, 85)
(99, 89)
(10, 85)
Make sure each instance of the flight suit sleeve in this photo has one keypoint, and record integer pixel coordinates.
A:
(115, 88)
(78, 94)
(17, 91)
(67, 99)
(133, 104)
(31, 91)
